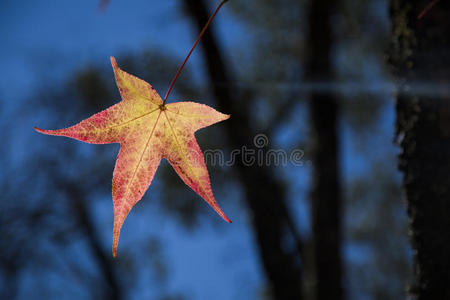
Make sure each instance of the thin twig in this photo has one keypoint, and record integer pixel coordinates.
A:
(427, 8)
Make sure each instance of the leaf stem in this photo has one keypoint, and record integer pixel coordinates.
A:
(427, 8)
(192, 49)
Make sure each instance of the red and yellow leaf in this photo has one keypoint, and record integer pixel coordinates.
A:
(147, 131)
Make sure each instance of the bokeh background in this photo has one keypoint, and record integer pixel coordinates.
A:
(263, 62)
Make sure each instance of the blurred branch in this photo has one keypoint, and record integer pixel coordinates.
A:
(280, 114)
(87, 227)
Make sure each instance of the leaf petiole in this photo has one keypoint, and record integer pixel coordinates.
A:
(192, 49)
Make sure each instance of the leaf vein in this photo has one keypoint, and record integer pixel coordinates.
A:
(142, 155)
(183, 154)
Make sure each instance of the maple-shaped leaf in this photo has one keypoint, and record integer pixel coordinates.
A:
(147, 131)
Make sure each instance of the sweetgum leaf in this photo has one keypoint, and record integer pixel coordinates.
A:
(147, 131)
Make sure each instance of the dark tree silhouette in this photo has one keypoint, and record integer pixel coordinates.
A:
(420, 53)
(326, 187)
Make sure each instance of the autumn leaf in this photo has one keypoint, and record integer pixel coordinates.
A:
(147, 130)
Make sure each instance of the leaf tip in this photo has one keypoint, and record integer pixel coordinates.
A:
(113, 61)
(225, 218)
(39, 130)
(115, 244)
(47, 131)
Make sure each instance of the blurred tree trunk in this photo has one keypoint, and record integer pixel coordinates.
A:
(420, 54)
(265, 196)
(326, 186)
